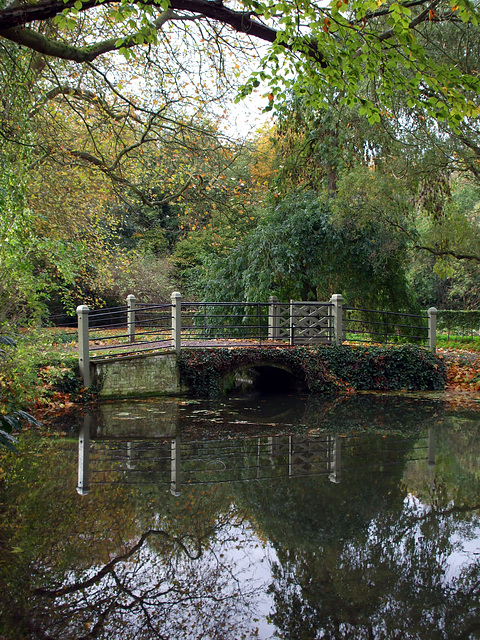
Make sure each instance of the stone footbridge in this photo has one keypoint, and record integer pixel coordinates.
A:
(210, 348)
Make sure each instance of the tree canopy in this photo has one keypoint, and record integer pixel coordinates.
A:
(355, 46)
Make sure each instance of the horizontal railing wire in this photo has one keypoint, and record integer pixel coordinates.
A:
(390, 329)
(225, 320)
(151, 328)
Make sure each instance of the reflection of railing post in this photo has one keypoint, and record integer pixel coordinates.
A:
(259, 453)
(335, 459)
(337, 301)
(432, 329)
(130, 453)
(431, 447)
(273, 318)
(131, 317)
(177, 321)
(175, 468)
(83, 344)
(83, 486)
(290, 455)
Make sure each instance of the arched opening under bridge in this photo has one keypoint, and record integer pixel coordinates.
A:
(264, 378)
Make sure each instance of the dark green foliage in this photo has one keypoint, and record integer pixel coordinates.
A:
(458, 321)
(300, 252)
(61, 376)
(324, 369)
(11, 423)
(387, 368)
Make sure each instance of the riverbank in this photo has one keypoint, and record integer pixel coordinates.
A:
(40, 373)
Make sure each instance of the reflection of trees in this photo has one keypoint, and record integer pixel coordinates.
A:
(358, 560)
(353, 559)
(393, 584)
(117, 562)
(457, 460)
(162, 587)
(380, 567)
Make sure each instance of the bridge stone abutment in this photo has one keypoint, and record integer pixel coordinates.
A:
(137, 376)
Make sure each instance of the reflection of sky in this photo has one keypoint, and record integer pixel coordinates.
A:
(464, 546)
(466, 551)
(251, 560)
(237, 558)
(226, 587)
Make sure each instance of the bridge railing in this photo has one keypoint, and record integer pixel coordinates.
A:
(117, 329)
(387, 327)
(217, 321)
(135, 327)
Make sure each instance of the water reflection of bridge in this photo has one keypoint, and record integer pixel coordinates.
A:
(176, 463)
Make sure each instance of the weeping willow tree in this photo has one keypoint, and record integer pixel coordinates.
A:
(298, 251)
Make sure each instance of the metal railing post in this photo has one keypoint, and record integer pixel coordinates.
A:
(337, 301)
(131, 317)
(432, 329)
(177, 321)
(83, 344)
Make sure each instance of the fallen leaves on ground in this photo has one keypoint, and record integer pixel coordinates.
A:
(463, 370)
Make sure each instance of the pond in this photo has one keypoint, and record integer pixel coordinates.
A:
(259, 517)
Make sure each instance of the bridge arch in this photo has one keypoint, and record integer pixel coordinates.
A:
(264, 376)
(210, 372)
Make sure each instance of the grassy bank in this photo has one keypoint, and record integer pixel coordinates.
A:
(459, 343)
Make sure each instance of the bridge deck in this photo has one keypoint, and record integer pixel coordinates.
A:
(101, 350)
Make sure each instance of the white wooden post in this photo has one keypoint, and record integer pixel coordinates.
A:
(131, 317)
(177, 321)
(292, 324)
(432, 329)
(337, 301)
(273, 319)
(83, 344)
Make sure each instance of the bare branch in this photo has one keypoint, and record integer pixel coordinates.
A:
(109, 567)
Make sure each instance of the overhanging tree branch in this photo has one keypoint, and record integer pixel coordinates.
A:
(115, 178)
(46, 46)
(13, 21)
(458, 255)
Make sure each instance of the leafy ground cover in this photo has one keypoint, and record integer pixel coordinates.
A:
(39, 373)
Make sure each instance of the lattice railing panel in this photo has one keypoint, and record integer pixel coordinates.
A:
(283, 321)
(312, 322)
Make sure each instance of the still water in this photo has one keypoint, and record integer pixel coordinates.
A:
(262, 517)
